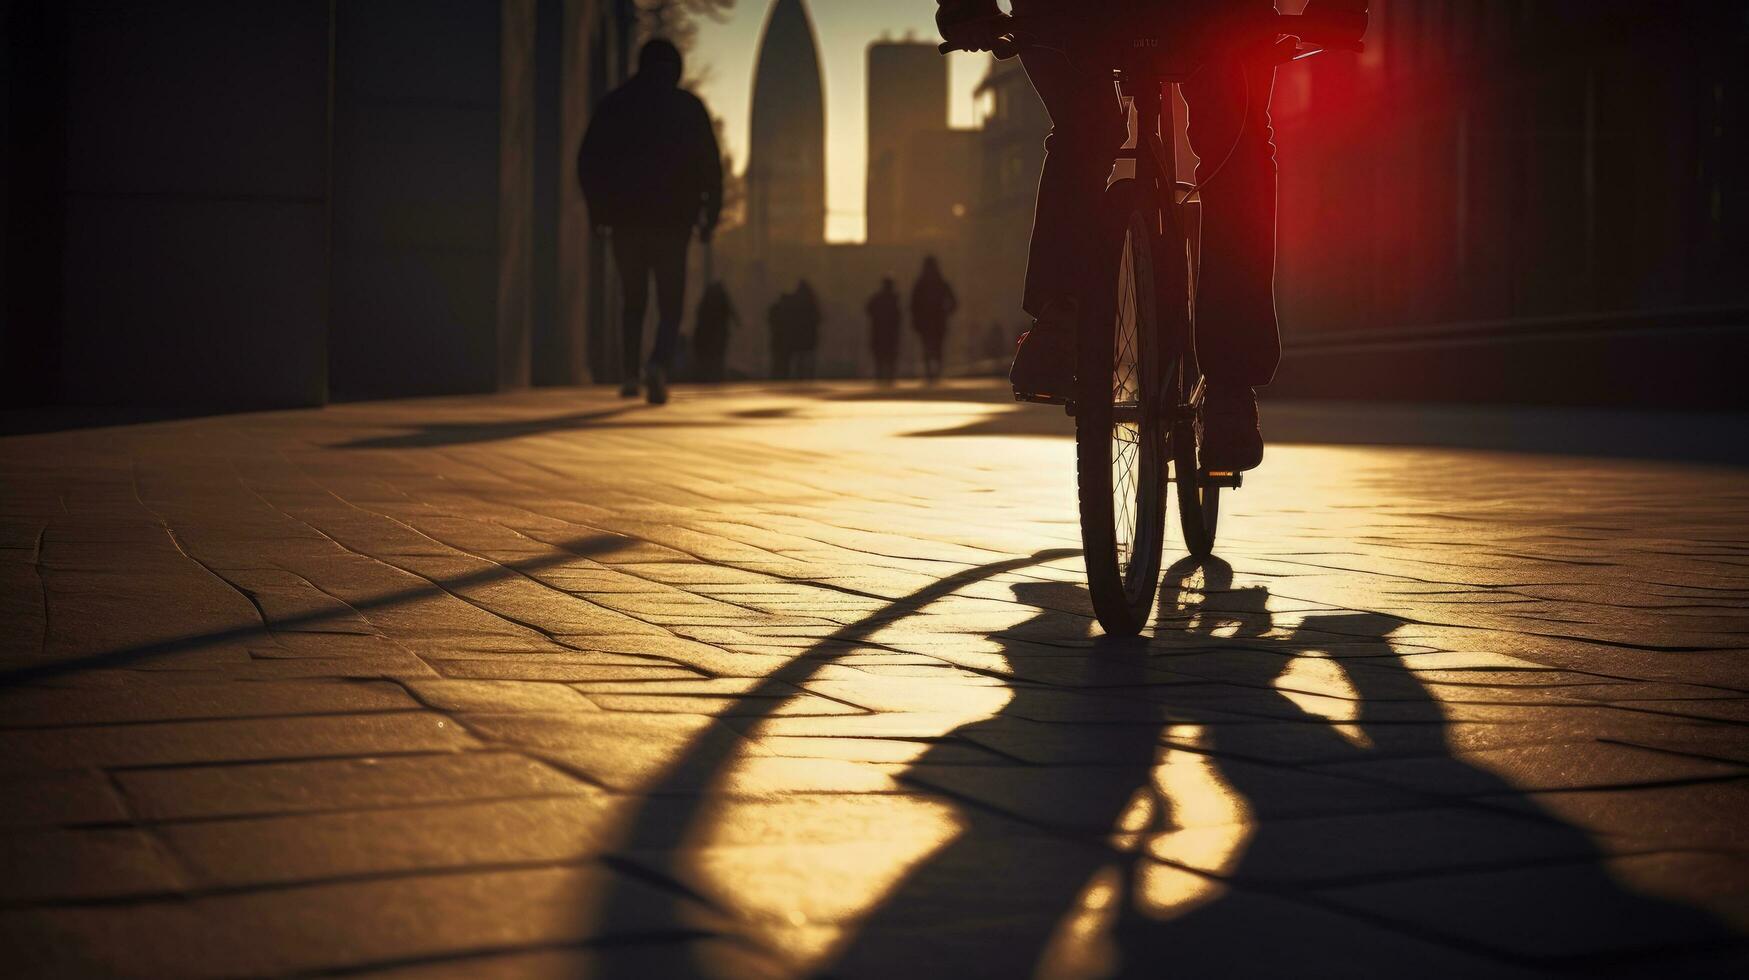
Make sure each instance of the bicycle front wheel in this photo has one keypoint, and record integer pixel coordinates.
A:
(1119, 438)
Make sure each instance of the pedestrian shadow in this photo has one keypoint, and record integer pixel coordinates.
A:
(1213, 817)
(434, 435)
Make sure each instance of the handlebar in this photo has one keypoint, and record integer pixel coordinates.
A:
(1018, 30)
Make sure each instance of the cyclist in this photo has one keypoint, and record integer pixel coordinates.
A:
(1237, 343)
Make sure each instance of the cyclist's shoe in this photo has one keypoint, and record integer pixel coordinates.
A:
(656, 384)
(1232, 440)
(1044, 363)
(629, 389)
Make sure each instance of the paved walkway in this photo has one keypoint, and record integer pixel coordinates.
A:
(799, 681)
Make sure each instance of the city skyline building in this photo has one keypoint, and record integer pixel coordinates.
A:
(786, 165)
(907, 96)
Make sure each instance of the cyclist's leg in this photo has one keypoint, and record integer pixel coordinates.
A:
(668, 255)
(1237, 343)
(631, 257)
(1087, 129)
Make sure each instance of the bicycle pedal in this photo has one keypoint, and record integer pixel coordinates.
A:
(1223, 478)
(1040, 399)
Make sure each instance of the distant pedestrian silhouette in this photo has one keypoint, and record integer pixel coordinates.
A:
(651, 172)
(779, 318)
(932, 302)
(795, 332)
(805, 329)
(710, 339)
(884, 319)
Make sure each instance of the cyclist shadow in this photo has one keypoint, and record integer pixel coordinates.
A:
(1228, 854)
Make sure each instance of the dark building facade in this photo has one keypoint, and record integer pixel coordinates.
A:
(922, 174)
(1499, 160)
(217, 205)
(907, 95)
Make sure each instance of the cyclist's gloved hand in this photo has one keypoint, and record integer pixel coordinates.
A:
(1334, 23)
(969, 25)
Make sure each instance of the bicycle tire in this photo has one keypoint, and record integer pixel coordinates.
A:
(1120, 442)
(1199, 501)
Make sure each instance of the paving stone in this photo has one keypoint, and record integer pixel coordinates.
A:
(1090, 799)
(345, 925)
(507, 670)
(709, 959)
(635, 751)
(54, 799)
(62, 708)
(490, 696)
(1705, 816)
(1535, 767)
(837, 883)
(1114, 939)
(339, 784)
(230, 741)
(62, 865)
(1644, 903)
(876, 750)
(356, 844)
(1353, 847)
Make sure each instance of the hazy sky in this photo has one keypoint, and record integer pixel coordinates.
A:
(726, 52)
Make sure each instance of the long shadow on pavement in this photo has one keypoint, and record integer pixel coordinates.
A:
(589, 546)
(432, 435)
(1199, 829)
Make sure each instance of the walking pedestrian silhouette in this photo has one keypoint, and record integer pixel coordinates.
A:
(884, 319)
(651, 172)
(932, 303)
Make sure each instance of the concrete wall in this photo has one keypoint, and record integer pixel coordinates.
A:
(195, 203)
(550, 343)
(33, 91)
(417, 156)
(218, 205)
(1664, 362)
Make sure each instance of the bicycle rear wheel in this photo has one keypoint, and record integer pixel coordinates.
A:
(1199, 499)
(1120, 442)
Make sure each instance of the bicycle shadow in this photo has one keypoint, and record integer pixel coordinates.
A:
(1233, 850)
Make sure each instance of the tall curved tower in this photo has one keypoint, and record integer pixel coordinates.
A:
(786, 159)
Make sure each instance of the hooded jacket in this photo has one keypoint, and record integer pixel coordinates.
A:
(650, 157)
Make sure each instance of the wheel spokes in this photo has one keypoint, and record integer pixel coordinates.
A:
(1126, 434)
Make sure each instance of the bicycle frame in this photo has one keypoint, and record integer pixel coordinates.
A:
(1154, 109)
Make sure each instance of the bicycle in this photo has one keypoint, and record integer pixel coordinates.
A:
(1139, 399)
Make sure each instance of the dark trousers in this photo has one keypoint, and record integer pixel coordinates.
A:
(1236, 337)
(642, 254)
